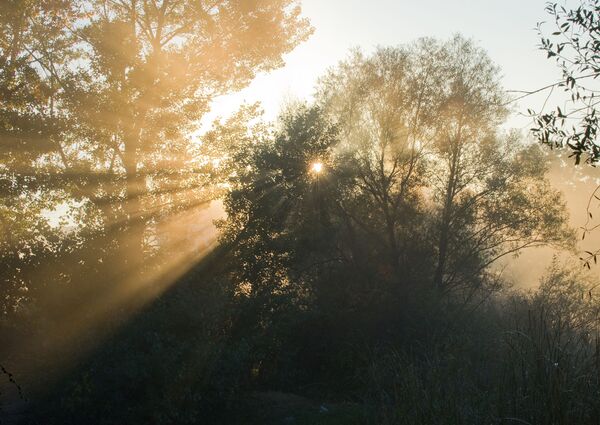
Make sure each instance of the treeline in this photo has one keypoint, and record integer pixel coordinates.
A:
(357, 263)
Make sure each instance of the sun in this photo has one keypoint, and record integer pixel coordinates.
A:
(316, 167)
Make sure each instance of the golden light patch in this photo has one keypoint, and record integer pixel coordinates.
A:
(316, 167)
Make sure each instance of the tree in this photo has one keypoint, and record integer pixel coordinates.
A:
(288, 260)
(125, 83)
(158, 65)
(491, 196)
(100, 102)
(574, 45)
(278, 217)
(28, 130)
(421, 124)
(416, 190)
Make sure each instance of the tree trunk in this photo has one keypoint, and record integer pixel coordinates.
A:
(132, 240)
(444, 239)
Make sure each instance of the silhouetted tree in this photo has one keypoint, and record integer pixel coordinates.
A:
(490, 190)
(382, 105)
(574, 45)
(421, 124)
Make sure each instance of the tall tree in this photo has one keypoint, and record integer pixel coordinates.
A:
(119, 87)
(100, 102)
(490, 195)
(421, 124)
(28, 131)
(156, 66)
(382, 105)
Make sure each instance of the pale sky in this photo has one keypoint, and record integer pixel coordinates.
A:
(505, 28)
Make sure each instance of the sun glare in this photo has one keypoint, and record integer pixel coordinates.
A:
(316, 167)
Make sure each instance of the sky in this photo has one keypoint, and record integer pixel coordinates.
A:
(504, 28)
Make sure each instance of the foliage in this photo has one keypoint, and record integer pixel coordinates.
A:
(574, 45)
(344, 259)
(100, 170)
(100, 100)
(434, 147)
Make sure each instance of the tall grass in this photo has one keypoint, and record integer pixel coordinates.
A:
(525, 359)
